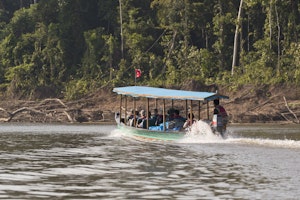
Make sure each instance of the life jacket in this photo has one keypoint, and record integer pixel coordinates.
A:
(222, 111)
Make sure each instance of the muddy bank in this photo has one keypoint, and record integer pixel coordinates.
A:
(247, 104)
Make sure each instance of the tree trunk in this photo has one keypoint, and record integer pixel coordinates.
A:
(121, 26)
(235, 45)
(278, 41)
(270, 24)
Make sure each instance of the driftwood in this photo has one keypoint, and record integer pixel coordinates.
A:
(55, 110)
(296, 120)
(14, 113)
(262, 104)
(40, 109)
(55, 100)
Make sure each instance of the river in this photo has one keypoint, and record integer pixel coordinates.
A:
(55, 161)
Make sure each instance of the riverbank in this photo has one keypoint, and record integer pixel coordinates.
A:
(247, 104)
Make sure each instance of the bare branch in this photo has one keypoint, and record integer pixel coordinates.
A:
(287, 106)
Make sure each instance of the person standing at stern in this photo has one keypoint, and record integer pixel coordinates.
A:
(220, 118)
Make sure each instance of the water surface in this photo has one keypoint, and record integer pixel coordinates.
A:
(46, 161)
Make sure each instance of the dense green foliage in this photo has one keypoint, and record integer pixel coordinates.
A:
(73, 47)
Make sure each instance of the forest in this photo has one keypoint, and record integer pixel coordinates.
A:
(68, 48)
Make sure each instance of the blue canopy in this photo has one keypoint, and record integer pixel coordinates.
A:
(162, 93)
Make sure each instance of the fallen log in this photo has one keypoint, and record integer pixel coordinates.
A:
(295, 116)
(55, 100)
(39, 109)
(11, 115)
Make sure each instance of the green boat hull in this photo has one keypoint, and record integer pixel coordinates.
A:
(145, 134)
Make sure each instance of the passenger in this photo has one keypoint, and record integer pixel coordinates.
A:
(136, 118)
(130, 116)
(170, 114)
(142, 122)
(133, 118)
(140, 119)
(220, 118)
(177, 122)
(157, 118)
(190, 121)
(177, 115)
(151, 120)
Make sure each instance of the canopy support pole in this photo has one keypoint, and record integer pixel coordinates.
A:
(125, 114)
(134, 109)
(121, 108)
(191, 111)
(147, 114)
(199, 110)
(164, 114)
(186, 109)
(207, 110)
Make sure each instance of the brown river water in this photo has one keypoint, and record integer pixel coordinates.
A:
(56, 161)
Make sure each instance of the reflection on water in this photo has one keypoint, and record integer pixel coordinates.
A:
(96, 162)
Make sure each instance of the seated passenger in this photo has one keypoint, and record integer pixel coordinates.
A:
(177, 122)
(177, 115)
(133, 118)
(141, 118)
(142, 123)
(158, 119)
(170, 114)
(129, 116)
(151, 120)
(189, 121)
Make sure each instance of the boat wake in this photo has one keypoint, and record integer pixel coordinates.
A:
(266, 142)
(200, 132)
(116, 133)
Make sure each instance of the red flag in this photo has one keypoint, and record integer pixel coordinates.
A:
(138, 73)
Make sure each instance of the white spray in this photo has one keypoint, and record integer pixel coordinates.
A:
(201, 131)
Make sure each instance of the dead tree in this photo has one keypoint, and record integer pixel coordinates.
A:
(296, 120)
(41, 109)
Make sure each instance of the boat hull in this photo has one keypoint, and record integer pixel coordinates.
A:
(144, 134)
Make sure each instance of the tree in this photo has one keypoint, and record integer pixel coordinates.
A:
(234, 57)
(73, 45)
(223, 25)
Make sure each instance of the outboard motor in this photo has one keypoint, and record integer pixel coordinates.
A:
(217, 124)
